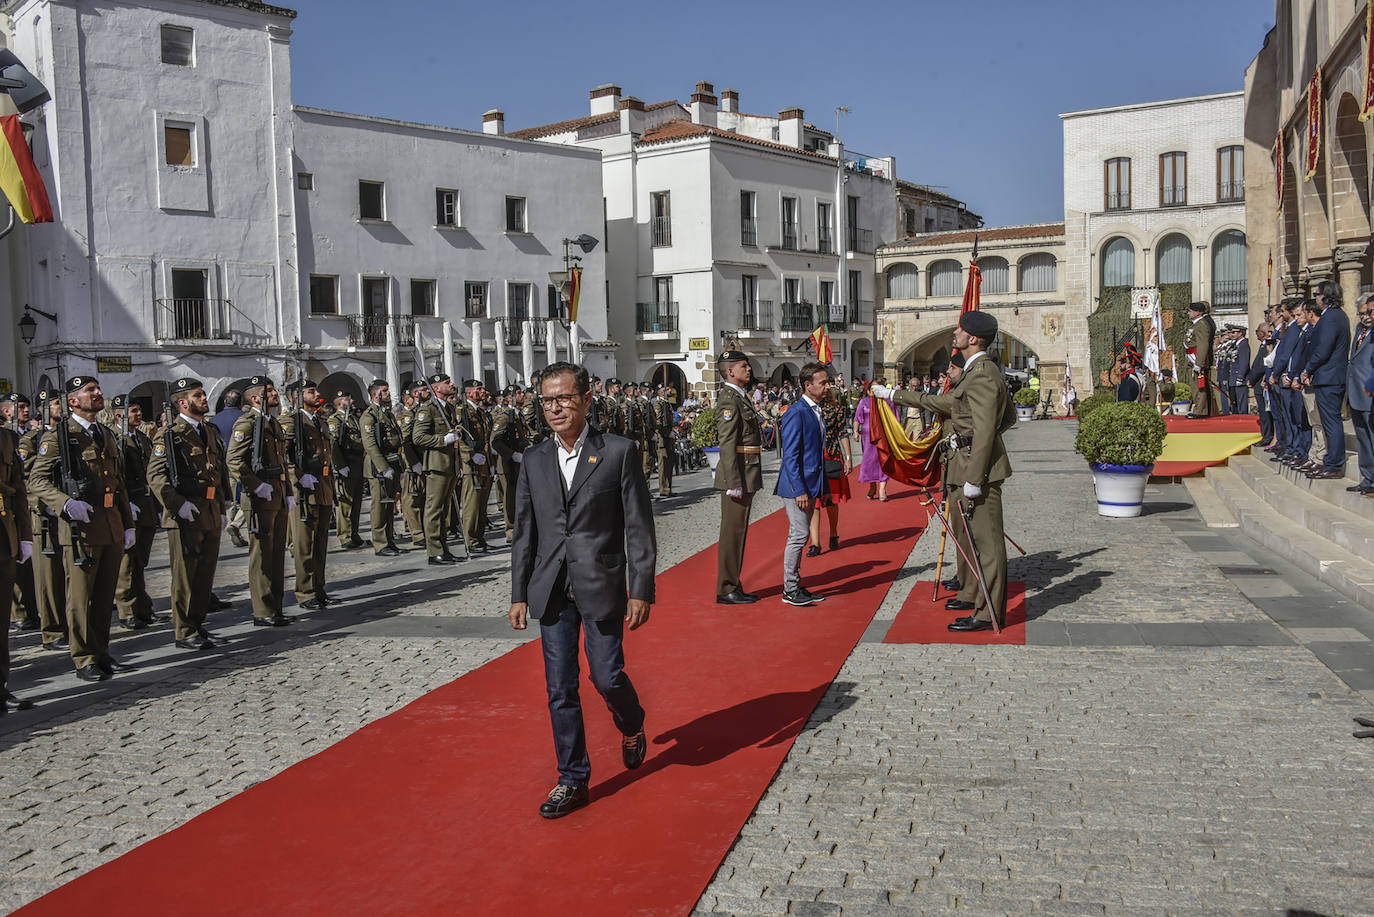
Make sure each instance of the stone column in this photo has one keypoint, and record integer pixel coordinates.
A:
(476, 352)
(1350, 260)
(498, 333)
(448, 350)
(527, 352)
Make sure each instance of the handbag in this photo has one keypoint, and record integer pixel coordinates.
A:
(834, 468)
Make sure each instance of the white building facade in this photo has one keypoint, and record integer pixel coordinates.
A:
(729, 228)
(198, 214)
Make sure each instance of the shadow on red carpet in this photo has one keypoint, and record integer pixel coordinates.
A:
(925, 620)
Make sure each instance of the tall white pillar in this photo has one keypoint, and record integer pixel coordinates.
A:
(527, 351)
(498, 332)
(574, 345)
(393, 363)
(551, 328)
(477, 351)
(449, 368)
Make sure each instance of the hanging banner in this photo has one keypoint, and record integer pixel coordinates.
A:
(1367, 108)
(1278, 168)
(1314, 124)
(574, 292)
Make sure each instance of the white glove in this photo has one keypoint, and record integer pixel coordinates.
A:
(25, 551)
(290, 503)
(263, 491)
(880, 391)
(133, 508)
(128, 539)
(389, 473)
(518, 456)
(417, 468)
(478, 458)
(77, 510)
(450, 438)
(188, 512)
(308, 481)
(972, 491)
(736, 492)
(343, 472)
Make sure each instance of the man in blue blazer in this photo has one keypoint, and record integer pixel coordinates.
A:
(1325, 374)
(582, 560)
(1357, 392)
(801, 477)
(1288, 335)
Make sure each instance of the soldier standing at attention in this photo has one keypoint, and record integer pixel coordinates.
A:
(614, 414)
(16, 547)
(413, 485)
(434, 434)
(535, 425)
(261, 476)
(509, 440)
(649, 442)
(739, 475)
(24, 616)
(981, 413)
(50, 585)
(131, 594)
(662, 418)
(348, 452)
(96, 524)
(309, 467)
(385, 466)
(475, 455)
(188, 474)
(1198, 341)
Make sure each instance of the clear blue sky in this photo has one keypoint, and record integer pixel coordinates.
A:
(966, 95)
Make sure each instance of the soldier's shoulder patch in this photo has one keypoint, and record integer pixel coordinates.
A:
(367, 427)
(728, 415)
(23, 453)
(238, 436)
(43, 449)
(159, 449)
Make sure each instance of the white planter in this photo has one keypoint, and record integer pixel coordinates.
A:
(1181, 407)
(1025, 412)
(1120, 488)
(712, 456)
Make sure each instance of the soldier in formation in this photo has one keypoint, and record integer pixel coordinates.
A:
(311, 483)
(347, 438)
(386, 466)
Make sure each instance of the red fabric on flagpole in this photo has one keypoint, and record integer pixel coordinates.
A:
(973, 288)
(19, 178)
(820, 343)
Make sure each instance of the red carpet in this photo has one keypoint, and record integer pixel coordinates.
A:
(923, 620)
(432, 809)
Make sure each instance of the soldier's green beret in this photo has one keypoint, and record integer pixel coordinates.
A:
(77, 383)
(187, 384)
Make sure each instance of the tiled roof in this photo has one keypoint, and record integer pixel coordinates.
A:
(994, 234)
(679, 129)
(576, 124)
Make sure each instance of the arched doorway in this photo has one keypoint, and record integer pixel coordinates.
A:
(238, 385)
(783, 372)
(1118, 263)
(861, 360)
(1350, 172)
(671, 376)
(334, 383)
(1174, 260)
(151, 397)
(930, 355)
(1229, 271)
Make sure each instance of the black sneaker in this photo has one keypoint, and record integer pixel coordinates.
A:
(633, 749)
(798, 598)
(564, 800)
(813, 596)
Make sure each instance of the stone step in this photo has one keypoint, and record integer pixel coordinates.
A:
(1291, 523)
(1317, 510)
(1209, 504)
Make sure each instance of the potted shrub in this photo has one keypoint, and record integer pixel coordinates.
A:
(1093, 402)
(1026, 401)
(1120, 442)
(706, 434)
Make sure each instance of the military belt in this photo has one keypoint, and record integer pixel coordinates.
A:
(749, 450)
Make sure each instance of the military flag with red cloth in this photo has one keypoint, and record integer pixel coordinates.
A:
(19, 178)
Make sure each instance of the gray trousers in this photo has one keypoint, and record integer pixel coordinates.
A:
(798, 534)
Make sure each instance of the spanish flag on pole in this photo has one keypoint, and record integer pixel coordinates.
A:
(574, 292)
(19, 178)
(820, 342)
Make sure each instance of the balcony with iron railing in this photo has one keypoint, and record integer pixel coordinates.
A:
(1118, 200)
(1229, 293)
(192, 319)
(655, 317)
(514, 331)
(748, 232)
(861, 240)
(756, 317)
(790, 238)
(797, 316)
(835, 316)
(539, 333)
(1231, 191)
(1173, 196)
(370, 330)
(662, 232)
(825, 242)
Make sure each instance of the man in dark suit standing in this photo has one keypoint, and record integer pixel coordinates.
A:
(1360, 367)
(582, 511)
(801, 477)
(1324, 373)
(1254, 379)
(1240, 367)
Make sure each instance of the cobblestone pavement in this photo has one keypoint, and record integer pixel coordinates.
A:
(1147, 754)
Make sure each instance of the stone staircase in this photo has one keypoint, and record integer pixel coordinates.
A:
(1318, 525)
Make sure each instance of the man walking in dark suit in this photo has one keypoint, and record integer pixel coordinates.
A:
(582, 508)
(801, 477)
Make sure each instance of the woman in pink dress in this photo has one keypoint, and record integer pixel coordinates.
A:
(870, 472)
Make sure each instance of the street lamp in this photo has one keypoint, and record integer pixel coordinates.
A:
(563, 278)
(28, 328)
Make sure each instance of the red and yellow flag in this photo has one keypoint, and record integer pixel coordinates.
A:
(574, 292)
(820, 342)
(19, 177)
(1368, 107)
(910, 462)
(973, 289)
(1314, 123)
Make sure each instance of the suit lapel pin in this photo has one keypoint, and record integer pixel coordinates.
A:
(591, 460)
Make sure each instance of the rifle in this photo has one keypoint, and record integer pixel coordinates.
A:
(74, 481)
(169, 443)
(260, 470)
(299, 444)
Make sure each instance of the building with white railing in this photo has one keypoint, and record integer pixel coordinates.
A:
(723, 227)
(206, 226)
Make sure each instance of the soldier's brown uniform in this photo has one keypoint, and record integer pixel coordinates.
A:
(648, 443)
(348, 456)
(434, 420)
(474, 441)
(266, 517)
(16, 525)
(382, 443)
(662, 415)
(49, 581)
(509, 438)
(740, 468)
(198, 463)
(308, 523)
(131, 591)
(100, 542)
(412, 481)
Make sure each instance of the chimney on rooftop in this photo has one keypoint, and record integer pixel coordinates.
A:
(704, 104)
(790, 127)
(494, 122)
(605, 99)
(631, 116)
(729, 101)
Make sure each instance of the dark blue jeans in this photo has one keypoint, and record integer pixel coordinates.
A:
(1266, 420)
(1329, 399)
(558, 631)
(1300, 431)
(1363, 421)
